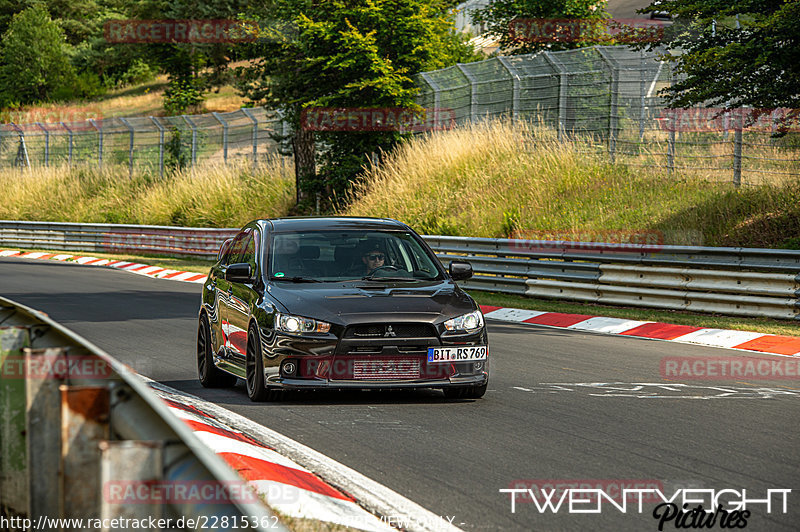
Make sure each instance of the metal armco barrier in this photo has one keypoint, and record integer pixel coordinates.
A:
(735, 281)
(76, 424)
(113, 238)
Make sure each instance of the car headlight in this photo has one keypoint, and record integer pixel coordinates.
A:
(299, 325)
(467, 322)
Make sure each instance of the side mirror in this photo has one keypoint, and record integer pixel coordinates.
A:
(460, 270)
(239, 273)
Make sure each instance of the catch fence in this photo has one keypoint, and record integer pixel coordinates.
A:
(604, 97)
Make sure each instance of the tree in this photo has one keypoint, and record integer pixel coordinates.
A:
(734, 52)
(345, 54)
(523, 29)
(34, 62)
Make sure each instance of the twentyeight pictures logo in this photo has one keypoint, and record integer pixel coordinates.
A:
(680, 508)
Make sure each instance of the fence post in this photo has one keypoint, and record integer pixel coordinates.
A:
(224, 136)
(99, 142)
(46, 143)
(641, 95)
(22, 152)
(613, 119)
(249, 115)
(194, 138)
(130, 147)
(436, 90)
(737, 156)
(69, 149)
(515, 82)
(671, 150)
(563, 80)
(473, 93)
(160, 146)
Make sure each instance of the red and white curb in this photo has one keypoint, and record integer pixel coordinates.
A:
(286, 486)
(133, 267)
(743, 340)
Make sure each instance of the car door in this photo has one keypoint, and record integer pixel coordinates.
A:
(224, 289)
(241, 298)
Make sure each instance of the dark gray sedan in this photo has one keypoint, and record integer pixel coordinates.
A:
(321, 303)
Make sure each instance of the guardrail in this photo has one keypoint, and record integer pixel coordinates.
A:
(735, 281)
(77, 425)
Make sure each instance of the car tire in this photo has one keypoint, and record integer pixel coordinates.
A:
(257, 390)
(210, 375)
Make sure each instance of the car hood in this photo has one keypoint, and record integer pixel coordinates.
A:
(363, 301)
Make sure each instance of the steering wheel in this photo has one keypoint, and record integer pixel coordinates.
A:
(387, 267)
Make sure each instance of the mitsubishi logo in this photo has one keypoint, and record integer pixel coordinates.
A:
(389, 332)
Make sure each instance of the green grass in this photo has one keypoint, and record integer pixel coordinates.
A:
(216, 196)
(495, 180)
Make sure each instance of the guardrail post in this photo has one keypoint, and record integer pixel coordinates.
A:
(44, 430)
(130, 147)
(46, 143)
(69, 149)
(130, 464)
(224, 136)
(99, 142)
(84, 424)
(515, 89)
(737, 157)
(13, 451)
(249, 115)
(194, 138)
(160, 146)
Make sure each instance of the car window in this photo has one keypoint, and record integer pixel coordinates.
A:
(249, 250)
(342, 255)
(236, 248)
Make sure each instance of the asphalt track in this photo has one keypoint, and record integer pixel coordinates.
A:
(452, 457)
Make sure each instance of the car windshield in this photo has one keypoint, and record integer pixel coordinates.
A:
(349, 255)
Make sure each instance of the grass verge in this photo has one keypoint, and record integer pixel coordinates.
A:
(495, 179)
(761, 325)
(216, 196)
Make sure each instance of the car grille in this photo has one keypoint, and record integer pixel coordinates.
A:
(390, 330)
(390, 369)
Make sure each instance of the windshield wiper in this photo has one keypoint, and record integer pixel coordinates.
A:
(373, 278)
(296, 279)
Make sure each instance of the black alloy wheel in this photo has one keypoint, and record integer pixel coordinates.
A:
(257, 390)
(210, 376)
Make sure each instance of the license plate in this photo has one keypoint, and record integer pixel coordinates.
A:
(457, 354)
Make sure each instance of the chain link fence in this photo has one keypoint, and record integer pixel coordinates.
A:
(609, 97)
(156, 142)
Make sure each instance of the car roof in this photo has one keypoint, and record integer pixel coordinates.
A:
(335, 223)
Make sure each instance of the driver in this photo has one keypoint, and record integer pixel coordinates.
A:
(372, 257)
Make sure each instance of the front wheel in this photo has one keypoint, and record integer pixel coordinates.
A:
(257, 390)
(210, 376)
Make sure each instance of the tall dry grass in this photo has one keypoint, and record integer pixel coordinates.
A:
(495, 179)
(211, 196)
